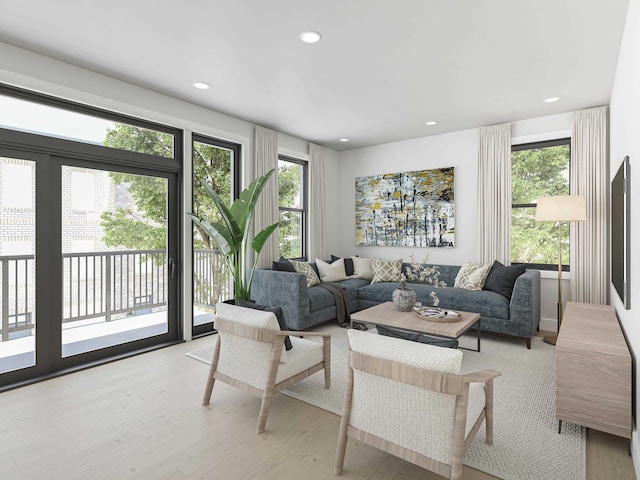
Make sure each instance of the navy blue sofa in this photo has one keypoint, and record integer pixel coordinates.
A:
(305, 307)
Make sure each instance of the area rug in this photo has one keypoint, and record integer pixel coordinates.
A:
(526, 443)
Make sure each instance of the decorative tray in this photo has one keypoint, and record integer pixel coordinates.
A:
(434, 314)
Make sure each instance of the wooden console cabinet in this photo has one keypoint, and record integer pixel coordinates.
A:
(593, 370)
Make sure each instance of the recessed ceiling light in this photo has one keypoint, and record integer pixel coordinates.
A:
(344, 139)
(431, 123)
(201, 85)
(310, 37)
(551, 99)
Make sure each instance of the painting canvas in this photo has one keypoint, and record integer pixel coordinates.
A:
(409, 209)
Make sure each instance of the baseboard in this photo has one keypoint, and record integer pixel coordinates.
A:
(549, 324)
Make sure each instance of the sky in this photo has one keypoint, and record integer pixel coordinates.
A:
(17, 114)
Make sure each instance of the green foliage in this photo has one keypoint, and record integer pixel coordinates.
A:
(231, 234)
(289, 191)
(211, 165)
(141, 140)
(145, 227)
(538, 173)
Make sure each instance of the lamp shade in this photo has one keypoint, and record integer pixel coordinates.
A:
(561, 208)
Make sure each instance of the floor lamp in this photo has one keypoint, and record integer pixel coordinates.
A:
(560, 209)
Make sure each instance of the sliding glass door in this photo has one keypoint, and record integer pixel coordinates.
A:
(88, 254)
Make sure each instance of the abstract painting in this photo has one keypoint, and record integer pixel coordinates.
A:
(409, 209)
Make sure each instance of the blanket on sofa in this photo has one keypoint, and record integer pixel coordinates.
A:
(341, 297)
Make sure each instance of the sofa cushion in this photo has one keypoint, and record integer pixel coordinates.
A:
(484, 302)
(282, 265)
(386, 271)
(348, 264)
(331, 272)
(320, 298)
(362, 268)
(308, 271)
(446, 273)
(472, 277)
(501, 278)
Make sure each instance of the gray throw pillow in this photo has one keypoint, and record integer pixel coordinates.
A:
(277, 311)
(501, 279)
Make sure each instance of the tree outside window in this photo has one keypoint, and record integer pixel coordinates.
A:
(292, 204)
(538, 170)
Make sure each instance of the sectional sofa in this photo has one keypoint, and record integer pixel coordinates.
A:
(305, 306)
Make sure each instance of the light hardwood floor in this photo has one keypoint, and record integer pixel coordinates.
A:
(141, 418)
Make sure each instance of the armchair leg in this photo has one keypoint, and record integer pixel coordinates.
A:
(488, 391)
(326, 347)
(264, 410)
(344, 425)
(212, 370)
(327, 378)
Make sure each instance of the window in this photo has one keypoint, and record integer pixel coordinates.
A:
(34, 113)
(538, 170)
(292, 203)
(17, 184)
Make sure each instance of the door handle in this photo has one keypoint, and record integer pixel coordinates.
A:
(172, 267)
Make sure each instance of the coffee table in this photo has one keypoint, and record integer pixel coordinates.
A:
(387, 315)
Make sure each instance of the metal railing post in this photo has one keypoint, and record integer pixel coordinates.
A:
(5, 300)
(107, 310)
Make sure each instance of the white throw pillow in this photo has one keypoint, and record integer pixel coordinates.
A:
(331, 272)
(362, 268)
(386, 271)
(472, 277)
(309, 272)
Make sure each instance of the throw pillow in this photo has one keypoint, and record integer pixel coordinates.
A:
(348, 264)
(282, 265)
(472, 277)
(277, 311)
(386, 271)
(362, 268)
(309, 272)
(502, 278)
(331, 272)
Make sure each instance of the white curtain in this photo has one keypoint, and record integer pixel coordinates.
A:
(317, 216)
(589, 177)
(494, 193)
(265, 157)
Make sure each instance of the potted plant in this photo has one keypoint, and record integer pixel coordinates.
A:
(231, 234)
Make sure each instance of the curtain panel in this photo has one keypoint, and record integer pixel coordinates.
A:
(317, 216)
(589, 177)
(265, 157)
(494, 193)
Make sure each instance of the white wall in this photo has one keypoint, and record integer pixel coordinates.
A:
(625, 140)
(457, 150)
(460, 150)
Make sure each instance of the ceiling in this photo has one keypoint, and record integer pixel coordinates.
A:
(382, 69)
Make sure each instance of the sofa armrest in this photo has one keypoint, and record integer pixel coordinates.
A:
(286, 290)
(525, 304)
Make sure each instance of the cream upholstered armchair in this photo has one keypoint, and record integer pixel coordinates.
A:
(249, 355)
(410, 400)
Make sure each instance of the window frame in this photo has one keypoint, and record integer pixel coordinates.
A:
(236, 176)
(305, 203)
(531, 146)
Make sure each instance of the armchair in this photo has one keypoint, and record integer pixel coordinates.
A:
(410, 400)
(249, 355)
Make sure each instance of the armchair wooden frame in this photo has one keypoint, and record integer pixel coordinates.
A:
(457, 385)
(276, 339)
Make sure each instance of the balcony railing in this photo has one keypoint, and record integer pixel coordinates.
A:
(105, 284)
